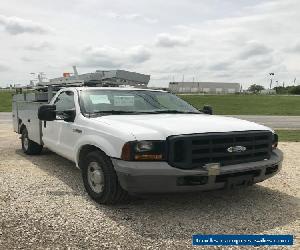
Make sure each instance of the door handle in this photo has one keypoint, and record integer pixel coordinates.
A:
(75, 130)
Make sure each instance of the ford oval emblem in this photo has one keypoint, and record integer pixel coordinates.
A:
(236, 149)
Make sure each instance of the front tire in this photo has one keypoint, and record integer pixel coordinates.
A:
(30, 147)
(100, 179)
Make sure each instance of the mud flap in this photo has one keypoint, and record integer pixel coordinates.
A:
(239, 181)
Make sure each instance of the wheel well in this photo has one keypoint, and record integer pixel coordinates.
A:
(85, 150)
(22, 128)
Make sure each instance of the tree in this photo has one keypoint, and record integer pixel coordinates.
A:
(295, 90)
(255, 88)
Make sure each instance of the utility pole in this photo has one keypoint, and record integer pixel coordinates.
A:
(33, 76)
(271, 79)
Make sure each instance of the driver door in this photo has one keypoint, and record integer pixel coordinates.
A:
(53, 131)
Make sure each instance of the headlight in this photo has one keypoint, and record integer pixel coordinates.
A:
(275, 141)
(144, 146)
(143, 151)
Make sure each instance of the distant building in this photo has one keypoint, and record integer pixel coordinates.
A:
(204, 87)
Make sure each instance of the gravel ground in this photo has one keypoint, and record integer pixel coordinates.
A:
(43, 205)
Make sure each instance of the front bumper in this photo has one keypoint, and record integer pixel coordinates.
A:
(160, 177)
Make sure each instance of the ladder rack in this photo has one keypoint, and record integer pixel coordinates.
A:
(100, 78)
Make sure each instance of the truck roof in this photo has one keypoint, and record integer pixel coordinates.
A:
(116, 88)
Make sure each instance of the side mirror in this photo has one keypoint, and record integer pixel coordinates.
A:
(47, 112)
(69, 115)
(207, 110)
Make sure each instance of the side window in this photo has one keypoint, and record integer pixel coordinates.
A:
(65, 101)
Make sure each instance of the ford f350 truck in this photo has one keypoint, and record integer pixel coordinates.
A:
(129, 140)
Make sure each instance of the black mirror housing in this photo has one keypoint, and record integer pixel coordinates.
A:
(69, 115)
(47, 112)
(207, 110)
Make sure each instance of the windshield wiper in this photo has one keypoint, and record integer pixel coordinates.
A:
(123, 112)
(117, 112)
(171, 111)
(114, 112)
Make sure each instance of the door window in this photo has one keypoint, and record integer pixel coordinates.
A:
(65, 101)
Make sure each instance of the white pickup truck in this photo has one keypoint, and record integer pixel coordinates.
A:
(128, 140)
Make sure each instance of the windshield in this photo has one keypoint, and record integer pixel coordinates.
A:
(131, 101)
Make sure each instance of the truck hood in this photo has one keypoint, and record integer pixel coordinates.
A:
(160, 126)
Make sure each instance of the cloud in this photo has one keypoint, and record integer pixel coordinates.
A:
(38, 46)
(220, 66)
(131, 17)
(27, 59)
(295, 48)
(138, 54)
(169, 41)
(253, 49)
(15, 25)
(178, 67)
(216, 40)
(110, 57)
(3, 67)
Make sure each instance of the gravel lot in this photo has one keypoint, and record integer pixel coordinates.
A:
(43, 205)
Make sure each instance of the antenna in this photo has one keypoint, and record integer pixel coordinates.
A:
(41, 77)
(75, 71)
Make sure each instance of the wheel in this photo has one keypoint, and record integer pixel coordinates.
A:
(100, 179)
(30, 147)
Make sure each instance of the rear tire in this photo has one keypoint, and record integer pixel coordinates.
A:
(100, 179)
(30, 147)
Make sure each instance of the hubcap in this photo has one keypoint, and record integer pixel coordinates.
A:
(95, 177)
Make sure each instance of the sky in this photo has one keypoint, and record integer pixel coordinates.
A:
(208, 40)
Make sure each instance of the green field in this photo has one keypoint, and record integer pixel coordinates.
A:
(288, 135)
(247, 104)
(5, 101)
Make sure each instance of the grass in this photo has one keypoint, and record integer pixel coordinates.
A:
(247, 104)
(5, 101)
(289, 135)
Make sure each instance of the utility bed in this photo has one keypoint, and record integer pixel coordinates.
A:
(24, 112)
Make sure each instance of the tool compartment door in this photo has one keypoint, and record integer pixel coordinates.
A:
(28, 113)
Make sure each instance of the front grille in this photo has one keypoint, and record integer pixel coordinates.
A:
(196, 150)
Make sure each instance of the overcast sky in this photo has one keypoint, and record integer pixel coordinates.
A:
(208, 40)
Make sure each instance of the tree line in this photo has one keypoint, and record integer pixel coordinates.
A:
(293, 90)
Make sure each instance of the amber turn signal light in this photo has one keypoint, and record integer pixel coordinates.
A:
(145, 157)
